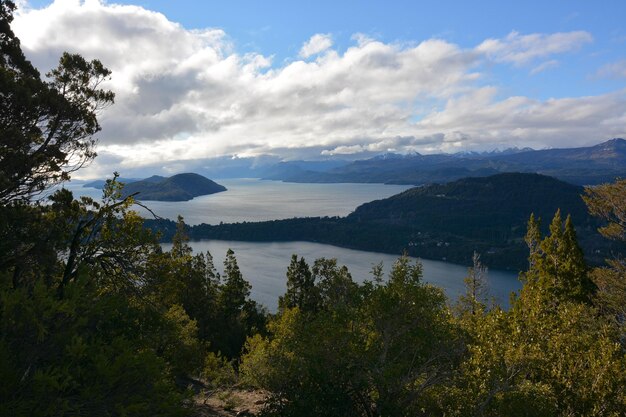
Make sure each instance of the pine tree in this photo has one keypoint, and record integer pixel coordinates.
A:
(473, 302)
(235, 290)
(608, 202)
(301, 289)
(557, 271)
(180, 245)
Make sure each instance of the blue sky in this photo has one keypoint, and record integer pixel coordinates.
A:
(529, 62)
(278, 28)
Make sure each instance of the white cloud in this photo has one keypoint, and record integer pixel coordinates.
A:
(522, 121)
(613, 70)
(522, 49)
(344, 150)
(186, 94)
(544, 66)
(318, 43)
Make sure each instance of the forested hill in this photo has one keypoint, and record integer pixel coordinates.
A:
(180, 187)
(583, 166)
(447, 221)
(495, 207)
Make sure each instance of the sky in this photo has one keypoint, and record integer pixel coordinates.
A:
(196, 80)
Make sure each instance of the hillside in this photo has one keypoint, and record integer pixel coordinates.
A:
(495, 207)
(583, 166)
(180, 187)
(446, 221)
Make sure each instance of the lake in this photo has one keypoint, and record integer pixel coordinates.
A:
(251, 199)
(264, 265)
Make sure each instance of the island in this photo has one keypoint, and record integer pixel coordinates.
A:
(179, 187)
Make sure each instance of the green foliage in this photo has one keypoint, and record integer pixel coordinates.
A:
(557, 270)
(46, 126)
(335, 286)
(608, 202)
(179, 342)
(393, 348)
(561, 363)
(219, 305)
(375, 352)
(85, 354)
(94, 318)
(218, 371)
(552, 354)
(473, 302)
(238, 316)
(301, 290)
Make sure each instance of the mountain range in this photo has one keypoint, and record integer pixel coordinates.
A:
(583, 166)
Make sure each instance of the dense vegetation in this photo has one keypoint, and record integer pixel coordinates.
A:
(583, 166)
(97, 320)
(448, 221)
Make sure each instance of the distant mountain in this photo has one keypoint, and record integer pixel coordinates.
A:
(582, 166)
(181, 187)
(100, 183)
(441, 221)
(297, 168)
(153, 179)
(507, 151)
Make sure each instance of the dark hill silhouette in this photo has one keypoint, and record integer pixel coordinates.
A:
(485, 207)
(180, 187)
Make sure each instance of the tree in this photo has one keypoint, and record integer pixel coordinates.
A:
(335, 287)
(551, 354)
(371, 350)
(473, 302)
(235, 290)
(301, 290)
(238, 315)
(46, 127)
(608, 201)
(77, 334)
(557, 271)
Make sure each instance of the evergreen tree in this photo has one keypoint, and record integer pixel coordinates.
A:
(473, 301)
(301, 289)
(238, 315)
(608, 202)
(551, 354)
(557, 271)
(235, 290)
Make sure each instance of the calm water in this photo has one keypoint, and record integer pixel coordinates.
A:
(250, 199)
(264, 265)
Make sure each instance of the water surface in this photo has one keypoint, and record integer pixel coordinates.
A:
(253, 200)
(264, 265)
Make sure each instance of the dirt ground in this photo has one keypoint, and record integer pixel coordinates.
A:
(229, 403)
